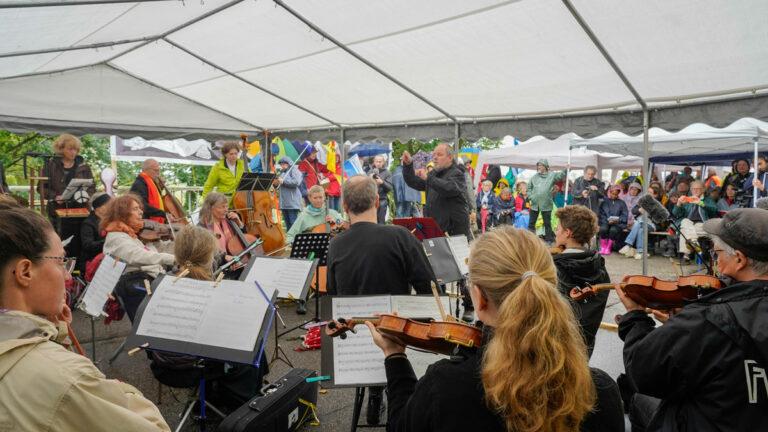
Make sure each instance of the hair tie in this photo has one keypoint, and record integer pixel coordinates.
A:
(529, 273)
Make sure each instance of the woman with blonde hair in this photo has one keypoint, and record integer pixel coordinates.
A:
(214, 216)
(531, 372)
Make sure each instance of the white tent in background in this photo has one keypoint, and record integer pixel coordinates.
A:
(528, 153)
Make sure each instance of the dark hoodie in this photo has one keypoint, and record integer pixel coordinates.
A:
(579, 269)
(707, 363)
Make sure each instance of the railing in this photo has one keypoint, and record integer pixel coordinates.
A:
(190, 195)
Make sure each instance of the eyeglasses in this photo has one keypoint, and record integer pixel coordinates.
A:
(716, 253)
(67, 263)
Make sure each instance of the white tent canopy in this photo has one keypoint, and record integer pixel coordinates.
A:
(528, 153)
(221, 67)
(695, 142)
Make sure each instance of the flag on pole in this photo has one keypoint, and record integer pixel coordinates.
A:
(352, 166)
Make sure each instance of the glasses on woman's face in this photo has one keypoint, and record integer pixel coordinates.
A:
(66, 263)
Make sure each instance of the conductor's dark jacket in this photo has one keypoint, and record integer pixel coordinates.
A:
(707, 363)
(446, 197)
(139, 187)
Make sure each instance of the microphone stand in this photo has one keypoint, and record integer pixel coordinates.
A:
(694, 247)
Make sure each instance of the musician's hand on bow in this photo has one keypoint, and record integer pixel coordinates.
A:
(626, 301)
(387, 344)
(406, 159)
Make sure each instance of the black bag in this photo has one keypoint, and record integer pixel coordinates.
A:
(279, 409)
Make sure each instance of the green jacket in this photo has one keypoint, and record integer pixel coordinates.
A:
(222, 179)
(706, 207)
(540, 189)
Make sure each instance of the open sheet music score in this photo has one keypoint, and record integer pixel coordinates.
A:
(356, 360)
(195, 317)
(460, 250)
(289, 278)
(103, 283)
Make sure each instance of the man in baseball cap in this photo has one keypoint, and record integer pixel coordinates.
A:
(707, 363)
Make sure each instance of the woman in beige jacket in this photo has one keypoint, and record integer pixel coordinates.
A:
(44, 387)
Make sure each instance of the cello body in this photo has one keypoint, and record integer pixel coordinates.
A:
(256, 210)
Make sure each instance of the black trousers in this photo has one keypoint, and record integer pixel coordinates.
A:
(549, 235)
(131, 291)
(381, 213)
(612, 232)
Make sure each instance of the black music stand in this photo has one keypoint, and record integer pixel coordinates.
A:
(314, 246)
(256, 182)
(422, 228)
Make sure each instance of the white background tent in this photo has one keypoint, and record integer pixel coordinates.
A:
(528, 153)
(326, 68)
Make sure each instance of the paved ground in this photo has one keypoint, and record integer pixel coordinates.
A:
(335, 405)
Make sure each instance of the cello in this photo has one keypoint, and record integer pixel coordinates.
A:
(258, 213)
(172, 205)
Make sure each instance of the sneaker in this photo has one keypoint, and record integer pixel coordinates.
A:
(625, 250)
(632, 251)
(639, 255)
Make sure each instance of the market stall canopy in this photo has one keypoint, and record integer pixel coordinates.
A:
(310, 68)
(697, 143)
(528, 153)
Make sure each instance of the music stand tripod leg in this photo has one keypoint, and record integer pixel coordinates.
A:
(358, 407)
(116, 353)
(276, 354)
(93, 339)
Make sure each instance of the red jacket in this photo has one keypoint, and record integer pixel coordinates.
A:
(312, 168)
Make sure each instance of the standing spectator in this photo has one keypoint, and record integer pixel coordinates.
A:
(674, 178)
(712, 181)
(289, 180)
(493, 174)
(485, 206)
(613, 220)
(470, 193)
(315, 173)
(383, 178)
(225, 175)
(631, 199)
(407, 199)
(758, 180)
(728, 202)
(540, 187)
(445, 189)
(739, 176)
(588, 190)
(692, 212)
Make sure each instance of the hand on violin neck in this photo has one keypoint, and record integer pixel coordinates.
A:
(387, 344)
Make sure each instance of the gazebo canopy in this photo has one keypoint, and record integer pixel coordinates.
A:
(444, 68)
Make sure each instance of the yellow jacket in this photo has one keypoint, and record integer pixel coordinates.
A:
(222, 179)
(44, 387)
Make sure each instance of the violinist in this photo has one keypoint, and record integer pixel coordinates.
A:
(215, 216)
(147, 186)
(704, 368)
(531, 371)
(225, 175)
(579, 266)
(314, 214)
(122, 222)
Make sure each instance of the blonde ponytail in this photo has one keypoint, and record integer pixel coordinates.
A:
(535, 370)
(194, 249)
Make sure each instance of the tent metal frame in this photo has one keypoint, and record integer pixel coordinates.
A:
(34, 4)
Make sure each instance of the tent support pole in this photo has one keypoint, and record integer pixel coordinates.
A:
(567, 173)
(646, 182)
(456, 136)
(342, 142)
(754, 188)
(266, 153)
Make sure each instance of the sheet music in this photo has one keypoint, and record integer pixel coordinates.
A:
(282, 275)
(357, 360)
(104, 281)
(228, 316)
(460, 250)
(419, 306)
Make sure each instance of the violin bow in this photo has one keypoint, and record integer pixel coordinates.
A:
(440, 306)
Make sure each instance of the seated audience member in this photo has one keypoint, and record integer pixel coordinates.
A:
(683, 188)
(92, 240)
(739, 175)
(728, 201)
(522, 200)
(633, 244)
(663, 197)
(578, 266)
(123, 221)
(314, 214)
(505, 208)
(214, 215)
(44, 386)
(630, 199)
(228, 385)
(719, 338)
(714, 194)
(529, 329)
(758, 181)
(613, 220)
(672, 202)
(369, 259)
(691, 212)
(485, 205)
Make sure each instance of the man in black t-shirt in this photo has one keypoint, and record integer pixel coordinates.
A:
(369, 258)
(372, 259)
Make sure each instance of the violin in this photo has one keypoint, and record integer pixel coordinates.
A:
(172, 205)
(654, 293)
(440, 337)
(240, 242)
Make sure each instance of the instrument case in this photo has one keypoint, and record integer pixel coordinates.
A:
(279, 409)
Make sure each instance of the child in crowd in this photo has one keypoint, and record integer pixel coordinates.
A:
(505, 207)
(485, 203)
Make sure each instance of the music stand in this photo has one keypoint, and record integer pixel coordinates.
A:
(256, 182)
(311, 246)
(422, 228)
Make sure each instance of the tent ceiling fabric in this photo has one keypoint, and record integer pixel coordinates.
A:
(502, 67)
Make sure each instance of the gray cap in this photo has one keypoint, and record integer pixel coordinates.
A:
(745, 230)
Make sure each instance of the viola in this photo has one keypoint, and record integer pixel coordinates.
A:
(654, 293)
(440, 337)
(161, 232)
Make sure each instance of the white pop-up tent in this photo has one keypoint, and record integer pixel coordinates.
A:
(557, 152)
(328, 69)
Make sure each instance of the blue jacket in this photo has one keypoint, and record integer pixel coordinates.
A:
(403, 192)
(290, 194)
(763, 177)
(615, 207)
(491, 201)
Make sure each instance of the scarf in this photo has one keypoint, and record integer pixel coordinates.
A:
(119, 226)
(314, 211)
(153, 196)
